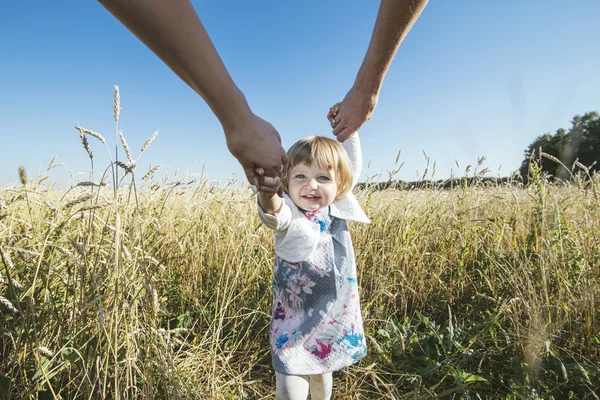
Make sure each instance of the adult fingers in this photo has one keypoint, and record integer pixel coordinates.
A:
(251, 176)
(333, 122)
(269, 191)
(336, 120)
(344, 134)
(284, 163)
(269, 185)
(333, 111)
(272, 169)
(340, 126)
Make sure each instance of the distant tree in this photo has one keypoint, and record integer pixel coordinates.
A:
(549, 144)
(589, 148)
(581, 142)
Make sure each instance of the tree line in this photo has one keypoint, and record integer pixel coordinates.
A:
(580, 143)
(574, 148)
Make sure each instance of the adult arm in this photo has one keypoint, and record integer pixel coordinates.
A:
(173, 31)
(394, 20)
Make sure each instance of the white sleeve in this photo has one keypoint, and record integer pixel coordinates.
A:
(352, 147)
(279, 221)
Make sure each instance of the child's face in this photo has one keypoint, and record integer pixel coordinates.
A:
(311, 187)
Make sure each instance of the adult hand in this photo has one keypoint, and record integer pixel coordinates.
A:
(348, 116)
(256, 145)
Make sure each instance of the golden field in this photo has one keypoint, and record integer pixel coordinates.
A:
(162, 290)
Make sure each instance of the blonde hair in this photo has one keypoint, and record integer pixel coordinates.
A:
(325, 153)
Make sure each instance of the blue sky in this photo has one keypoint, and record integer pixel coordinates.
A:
(472, 79)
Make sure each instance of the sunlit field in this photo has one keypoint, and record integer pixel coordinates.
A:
(162, 289)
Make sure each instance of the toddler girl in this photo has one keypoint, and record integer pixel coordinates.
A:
(316, 325)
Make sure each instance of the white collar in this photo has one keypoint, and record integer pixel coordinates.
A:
(349, 209)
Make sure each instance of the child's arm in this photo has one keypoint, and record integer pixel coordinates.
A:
(274, 212)
(352, 147)
(271, 204)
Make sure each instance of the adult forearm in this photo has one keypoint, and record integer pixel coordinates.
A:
(173, 31)
(394, 20)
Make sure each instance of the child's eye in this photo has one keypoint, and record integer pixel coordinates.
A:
(324, 178)
(300, 176)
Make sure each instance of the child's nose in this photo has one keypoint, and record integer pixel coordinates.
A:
(312, 183)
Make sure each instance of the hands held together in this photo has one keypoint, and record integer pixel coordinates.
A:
(349, 115)
(256, 144)
(173, 31)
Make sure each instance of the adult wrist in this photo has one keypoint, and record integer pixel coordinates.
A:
(233, 111)
(367, 84)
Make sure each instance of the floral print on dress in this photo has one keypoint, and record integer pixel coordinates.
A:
(316, 325)
(322, 271)
(321, 350)
(279, 312)
(352, 338)
(281, 340)
(298, 285)
(317, 217)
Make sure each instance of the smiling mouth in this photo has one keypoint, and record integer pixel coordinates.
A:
(309, 197)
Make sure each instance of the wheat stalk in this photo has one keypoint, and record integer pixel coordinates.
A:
(126, 167)
(101, 317)
(117, 103)
(86, 144)
(7, 260)
(45, 351)
(78, 200)
(91, 133)
(17, 284)
(88, 208)
(551, 157)
(147, 143)
(150, 172)
(79, 248)
(126, 253)
(8, 304)
(53, 164)
(125, 146)
(188, 177)
(91, 183)
(22, 175)
(580, 165)
(556, 160)
(50, 206)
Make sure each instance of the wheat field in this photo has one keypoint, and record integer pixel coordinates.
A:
(129, 286)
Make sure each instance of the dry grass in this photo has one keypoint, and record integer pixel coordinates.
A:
(476, 292)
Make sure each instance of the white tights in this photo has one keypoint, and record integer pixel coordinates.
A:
(296, 387)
